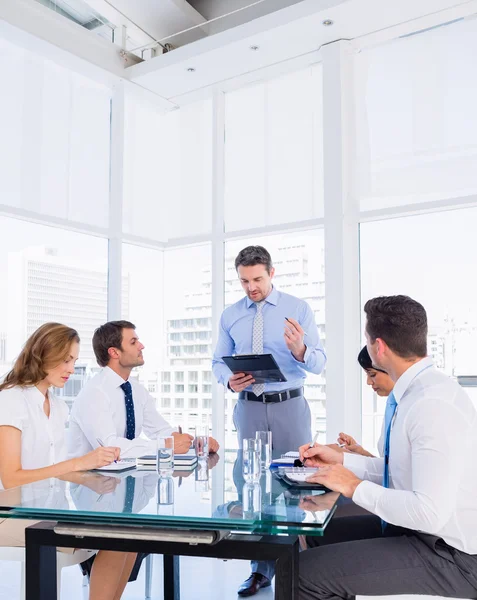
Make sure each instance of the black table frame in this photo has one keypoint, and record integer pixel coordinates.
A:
(42, 541)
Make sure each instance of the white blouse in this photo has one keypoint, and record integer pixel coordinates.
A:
(43, 438)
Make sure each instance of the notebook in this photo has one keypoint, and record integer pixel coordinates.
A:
(181, 461)
(285, 460)
(120, 465)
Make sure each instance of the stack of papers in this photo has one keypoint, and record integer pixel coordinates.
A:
(182, 462)
(119, 465)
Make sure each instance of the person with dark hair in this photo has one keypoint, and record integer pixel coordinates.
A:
(423, 538)
(113, 408)
(33, 445)
(268, 321)
(382, 385)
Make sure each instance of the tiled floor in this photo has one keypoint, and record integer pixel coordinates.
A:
(210, 579)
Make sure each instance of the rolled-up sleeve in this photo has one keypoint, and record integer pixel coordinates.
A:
(315, 357)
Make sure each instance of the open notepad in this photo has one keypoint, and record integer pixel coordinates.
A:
(120, 465)
(286, 459)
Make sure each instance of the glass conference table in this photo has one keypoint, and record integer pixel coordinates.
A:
(207, 512)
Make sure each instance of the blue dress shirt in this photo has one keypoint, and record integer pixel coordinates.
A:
(235, 337)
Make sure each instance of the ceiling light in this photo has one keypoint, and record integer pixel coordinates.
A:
(191, 70)
(254, 48)
(327, 22)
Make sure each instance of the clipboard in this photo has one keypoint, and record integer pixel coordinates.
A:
(263, 367)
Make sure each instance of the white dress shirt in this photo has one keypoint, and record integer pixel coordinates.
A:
(99, 412)
(43, 438)
(433, 478)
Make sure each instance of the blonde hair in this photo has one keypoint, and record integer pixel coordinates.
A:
(45, 349)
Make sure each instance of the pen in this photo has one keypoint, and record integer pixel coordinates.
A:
(314, 440)
(102, 445)
(287, 319)
(341, 445)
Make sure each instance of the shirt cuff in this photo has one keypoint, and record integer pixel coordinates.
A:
(367, 495)
(355, 463)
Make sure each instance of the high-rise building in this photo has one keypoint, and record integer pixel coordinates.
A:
(43, 286)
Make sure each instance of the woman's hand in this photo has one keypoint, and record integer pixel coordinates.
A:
(101, 457)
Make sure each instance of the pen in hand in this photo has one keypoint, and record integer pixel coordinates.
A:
(314, 440)
(102, 445)
(287, 319)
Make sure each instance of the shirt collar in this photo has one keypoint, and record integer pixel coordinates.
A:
(115, 379)
(402, 384)
(272, 298)
(34, 393)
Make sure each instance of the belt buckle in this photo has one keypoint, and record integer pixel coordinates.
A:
(264, 398)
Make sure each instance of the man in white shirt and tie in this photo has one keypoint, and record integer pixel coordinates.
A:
(111, 406)
(424, 489)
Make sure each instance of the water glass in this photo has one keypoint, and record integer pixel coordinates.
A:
(202, 476)
(165, 496)
(201, 441)
(165, 455)
(251, 454)
(266, 438)
(252, 501)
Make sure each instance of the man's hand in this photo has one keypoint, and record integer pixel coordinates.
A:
(320, 502)
(240, 381)
(336, 478)
(351, 445)
(294, 336)
(213, 445)
(182, 442)
(319, 456)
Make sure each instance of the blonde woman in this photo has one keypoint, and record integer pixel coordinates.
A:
(33, 445)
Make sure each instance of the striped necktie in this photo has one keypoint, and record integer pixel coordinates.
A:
(257, 342)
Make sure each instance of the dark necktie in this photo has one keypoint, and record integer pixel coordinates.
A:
(130, 418)
(129, 497)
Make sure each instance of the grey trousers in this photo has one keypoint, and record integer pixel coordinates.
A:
(355, 558)
(290, 424)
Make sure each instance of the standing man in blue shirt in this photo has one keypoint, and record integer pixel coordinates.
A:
(268, 321)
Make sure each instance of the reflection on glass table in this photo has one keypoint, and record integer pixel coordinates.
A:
(140, 498)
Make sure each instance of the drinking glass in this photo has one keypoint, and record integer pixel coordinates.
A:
(202, 476)
(266, 456)
(252, 501)
(165, 455)
(201, 441)
(251, 453)
(165, 496)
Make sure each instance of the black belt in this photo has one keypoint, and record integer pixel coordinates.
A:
(268, 398)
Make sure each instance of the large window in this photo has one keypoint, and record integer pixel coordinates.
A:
(432, 259)
(273, 151)
(142, 303)
(168, 179)
(187, 316)
(54, 154)
(51, 275)
(417, 131)
(299, 270)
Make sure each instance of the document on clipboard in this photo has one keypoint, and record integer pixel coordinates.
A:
(262, 367)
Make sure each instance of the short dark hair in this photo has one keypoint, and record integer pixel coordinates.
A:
(401, 322)
(109, 335)
(365, 361)
(254, 255)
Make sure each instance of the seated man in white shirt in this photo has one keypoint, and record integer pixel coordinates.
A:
(111, 406)
(423, 490)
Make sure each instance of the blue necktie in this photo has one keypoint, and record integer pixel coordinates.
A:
(130, 418)
(129, 497)
(391, 406)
